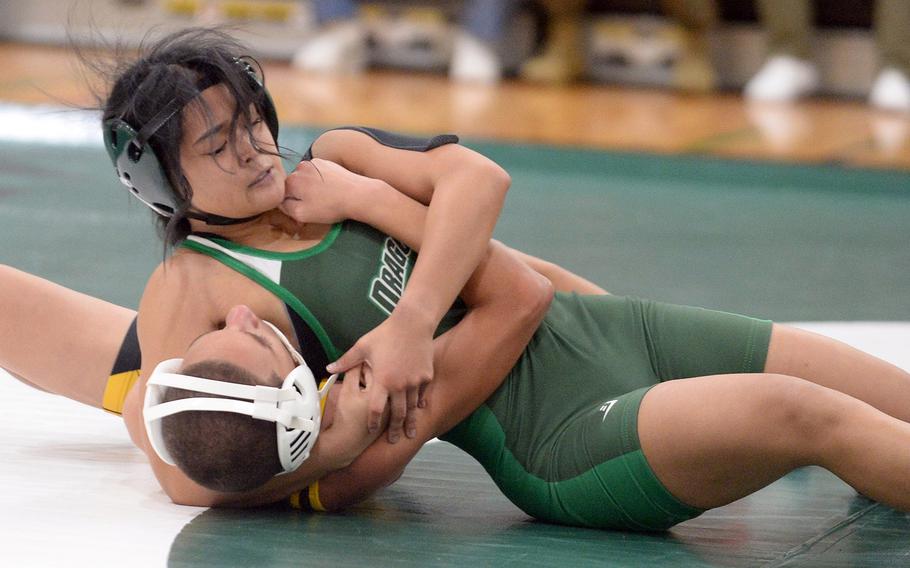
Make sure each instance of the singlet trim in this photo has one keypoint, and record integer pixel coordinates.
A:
(319, 247)
(116, 390)
(539, 497)
(278, 290)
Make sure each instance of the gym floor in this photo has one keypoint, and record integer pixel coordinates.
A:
(635, 189)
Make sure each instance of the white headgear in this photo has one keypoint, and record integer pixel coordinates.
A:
(294, 408)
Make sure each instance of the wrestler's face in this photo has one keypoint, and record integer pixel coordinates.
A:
(247, 342)
(229, 174)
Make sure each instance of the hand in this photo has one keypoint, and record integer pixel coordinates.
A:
(345, 435)
(398, 355)
(320, 191)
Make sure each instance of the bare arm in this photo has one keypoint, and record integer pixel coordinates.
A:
(465, 193)
(508, 301)
(563, 280)
(56, 339)
(390, 210)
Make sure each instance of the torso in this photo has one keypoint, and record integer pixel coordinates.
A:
(202, 291)
(336, 291)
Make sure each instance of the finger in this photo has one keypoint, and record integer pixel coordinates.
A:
(410, 424)
(365, 378)
(410, 421)
(352, 379)
(422, 395)
(290, 207)
(399, 411)
(354, 356)
(378, 399)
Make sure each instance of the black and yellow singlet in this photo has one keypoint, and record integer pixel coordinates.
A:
(124, 374)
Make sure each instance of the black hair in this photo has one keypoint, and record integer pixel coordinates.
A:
(178, 67)
(224, 451)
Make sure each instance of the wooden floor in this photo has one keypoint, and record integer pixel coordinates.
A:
(607, 117)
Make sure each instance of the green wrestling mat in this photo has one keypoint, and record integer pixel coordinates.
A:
(444, 511)
(777, 241)
(780, 242)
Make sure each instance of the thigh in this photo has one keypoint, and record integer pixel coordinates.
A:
(597, 474)
(838, 366)
(712, 440)
(686, 341)
(57, 339)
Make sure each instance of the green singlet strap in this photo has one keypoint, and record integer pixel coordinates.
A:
(240, 263)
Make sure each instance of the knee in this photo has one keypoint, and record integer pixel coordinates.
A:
(804, 414)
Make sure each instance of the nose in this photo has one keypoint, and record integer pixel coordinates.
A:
(242, 318)
(246, 150)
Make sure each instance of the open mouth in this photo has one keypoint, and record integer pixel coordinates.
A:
(265, 176)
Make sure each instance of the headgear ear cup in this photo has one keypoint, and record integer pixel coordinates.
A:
(140, 170)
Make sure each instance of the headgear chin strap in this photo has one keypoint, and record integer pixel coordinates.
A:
(294, 408)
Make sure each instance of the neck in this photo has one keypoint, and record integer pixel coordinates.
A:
(268, 229)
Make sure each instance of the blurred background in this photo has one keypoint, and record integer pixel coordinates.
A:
(781, 79)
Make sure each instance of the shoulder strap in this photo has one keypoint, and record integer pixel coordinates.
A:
(395, 140)
(267, 267)
(267, 273)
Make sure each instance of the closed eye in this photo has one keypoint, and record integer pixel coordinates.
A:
(218, 150)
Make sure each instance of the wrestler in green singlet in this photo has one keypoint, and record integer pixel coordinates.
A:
(559, 437)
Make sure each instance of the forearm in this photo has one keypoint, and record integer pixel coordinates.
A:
(451, 235)
(388, 210)
(403, 218)
(56, 339)
(563, 280)
(322, 461)
(471, 361)
(465, 192)
(459, 223)
(508, 301)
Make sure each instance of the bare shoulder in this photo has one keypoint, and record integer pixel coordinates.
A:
(330, 145)
(347, 147)
(413, 171)
(183, 276)
(177, 305)
(351, 147)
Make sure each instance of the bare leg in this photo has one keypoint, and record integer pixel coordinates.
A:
(838, 366)
(56, 339)
(712, 440)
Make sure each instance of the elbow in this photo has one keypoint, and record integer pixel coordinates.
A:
(189, 499)
(501, 177)
(489, 180)
(182, 492)
(545, 295)
(500, 180)
(536, 297)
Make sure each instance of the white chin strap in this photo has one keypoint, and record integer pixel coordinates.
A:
(294, 408)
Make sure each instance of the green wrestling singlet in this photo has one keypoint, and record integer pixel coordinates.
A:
(559, 436)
